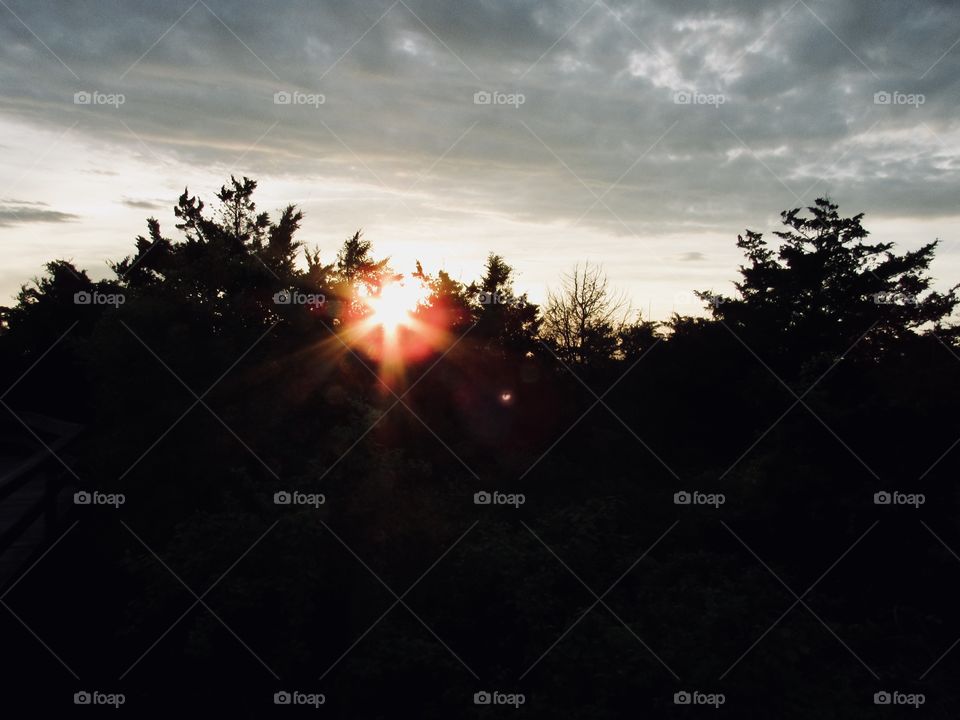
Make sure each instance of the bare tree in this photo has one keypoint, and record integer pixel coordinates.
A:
(584, 318)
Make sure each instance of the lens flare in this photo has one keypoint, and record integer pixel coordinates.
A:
(392, 332)
(393, 307)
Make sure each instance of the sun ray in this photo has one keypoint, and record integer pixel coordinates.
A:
(391, 333)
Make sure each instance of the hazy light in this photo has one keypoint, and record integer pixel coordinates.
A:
(395, 304)
(391, 334)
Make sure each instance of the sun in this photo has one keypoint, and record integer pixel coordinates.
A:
(392, 332)
(393, 307)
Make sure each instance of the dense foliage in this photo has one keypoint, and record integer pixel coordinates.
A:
(829, 375)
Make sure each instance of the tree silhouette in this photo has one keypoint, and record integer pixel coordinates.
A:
(825, 286)
(289, 403)
(584, 318)
(505, 319)
(356, 264)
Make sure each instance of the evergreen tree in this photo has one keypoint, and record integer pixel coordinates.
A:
(825, 286)
(504, 319)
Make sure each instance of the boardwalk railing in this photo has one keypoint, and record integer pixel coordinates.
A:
(30, 485)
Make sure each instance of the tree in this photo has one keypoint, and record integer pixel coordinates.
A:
(583, 320)
(319, 275)
(504, 319)
(825, 286)
(238, 212)
(636, 338)
(281, 249)
(153, 258)
(448, 304)
(286, 406)
(355, 262)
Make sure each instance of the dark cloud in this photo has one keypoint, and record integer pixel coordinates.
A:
(692, 257)
(20, 212)
(796, 115)
(140, 204)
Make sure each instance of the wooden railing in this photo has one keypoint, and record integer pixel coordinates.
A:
(40, 468)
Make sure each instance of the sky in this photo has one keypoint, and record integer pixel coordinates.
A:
(641, 135)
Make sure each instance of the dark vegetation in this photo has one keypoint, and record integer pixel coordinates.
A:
(831, 372)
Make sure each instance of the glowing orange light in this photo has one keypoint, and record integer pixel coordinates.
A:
(394, 306)
(391, 333)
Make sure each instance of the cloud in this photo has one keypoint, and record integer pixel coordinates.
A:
(140, 204)
(777, 106)
(600, 84)
(692, 257)
(21, 212)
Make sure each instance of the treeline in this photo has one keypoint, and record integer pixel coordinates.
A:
(216, 370)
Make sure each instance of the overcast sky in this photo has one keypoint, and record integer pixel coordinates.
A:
(644, 135)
